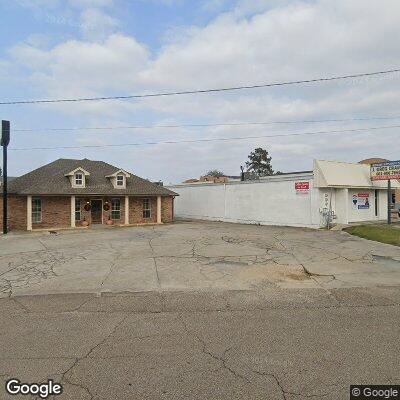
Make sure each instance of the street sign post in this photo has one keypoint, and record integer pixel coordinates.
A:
(385, 172)
(5, 140)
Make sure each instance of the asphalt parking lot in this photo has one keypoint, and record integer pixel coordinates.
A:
(191, 256)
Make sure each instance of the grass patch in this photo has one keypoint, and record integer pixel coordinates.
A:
(379, 233)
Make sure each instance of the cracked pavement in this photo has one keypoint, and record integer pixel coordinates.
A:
(199, 310)
(288, 344)
(191, 256)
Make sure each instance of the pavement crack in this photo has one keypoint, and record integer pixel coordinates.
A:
(79, 385)
(107, 337)
(283, 390)
(309, 273)
(221, 359)
(112, 266)
(20, 305)
(64, 377)
(82, 304)
(155, 263)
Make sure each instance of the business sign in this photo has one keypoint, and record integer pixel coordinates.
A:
(385, 171)
(360, 201)
(302, 187)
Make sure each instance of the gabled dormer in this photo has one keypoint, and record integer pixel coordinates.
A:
(78, 177)
(118, 179)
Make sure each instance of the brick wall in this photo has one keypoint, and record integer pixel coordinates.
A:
(167, 209)
(136, 210)
(107, 214)
(56, 212)
(16, 212)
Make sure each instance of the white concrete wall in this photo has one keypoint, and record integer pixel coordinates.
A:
(345, 211)
(342, 206)
(382, 204)
(269, 202)
(327, 201)
(360, 215)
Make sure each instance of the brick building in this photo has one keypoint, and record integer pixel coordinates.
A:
(74, 193)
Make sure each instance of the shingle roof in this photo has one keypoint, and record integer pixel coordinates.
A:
(9, 179)
(51, 180)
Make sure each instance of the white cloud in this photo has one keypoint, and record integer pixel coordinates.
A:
(38, 4)
(90, 3)
(257, 42)
(96, 24)
(83, 67)
(213, 5)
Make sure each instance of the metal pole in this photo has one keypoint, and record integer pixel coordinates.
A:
(242, 173)
(5, 194)
(389, 198)
(5, 139)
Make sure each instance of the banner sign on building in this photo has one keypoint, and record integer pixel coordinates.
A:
(302, 187)
(385, 171)
(361, 201)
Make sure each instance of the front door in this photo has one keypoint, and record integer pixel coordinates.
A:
(96, 211)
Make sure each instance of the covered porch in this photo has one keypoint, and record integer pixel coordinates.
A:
(76, 211)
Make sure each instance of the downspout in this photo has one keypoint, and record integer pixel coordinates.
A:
(224, 201)
(328, 223)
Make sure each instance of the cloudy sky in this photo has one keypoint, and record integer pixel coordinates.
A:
(84, 48)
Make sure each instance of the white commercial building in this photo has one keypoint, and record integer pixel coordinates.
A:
(340, 192)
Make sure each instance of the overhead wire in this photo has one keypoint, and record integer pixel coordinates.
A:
(199, 91)
(324, 132)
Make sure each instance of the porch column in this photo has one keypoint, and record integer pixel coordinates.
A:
(346, 210)
(72, 211)
(126, 210)
(29, 213)
(159, 210)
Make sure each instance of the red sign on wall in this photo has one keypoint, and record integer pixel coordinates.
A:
(302, 187)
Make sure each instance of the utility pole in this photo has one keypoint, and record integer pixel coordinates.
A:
(389, 201)
(5, 140)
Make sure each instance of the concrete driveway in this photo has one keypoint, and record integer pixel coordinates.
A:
(191, 256)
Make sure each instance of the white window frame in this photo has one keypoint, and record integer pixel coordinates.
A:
(146, 209)
(115, 209)
(36, 211)
(81, 179)
(120, 181)
(78, 209)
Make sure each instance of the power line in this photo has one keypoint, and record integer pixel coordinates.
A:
(208, 140)
(202, 125)
(186, 92)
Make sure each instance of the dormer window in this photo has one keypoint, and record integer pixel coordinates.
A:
(120, 180)
(78, 179)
